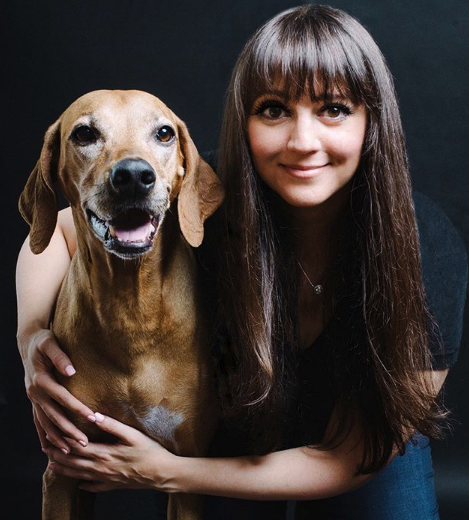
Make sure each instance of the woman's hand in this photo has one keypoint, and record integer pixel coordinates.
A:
(136, 461)
(41, 356)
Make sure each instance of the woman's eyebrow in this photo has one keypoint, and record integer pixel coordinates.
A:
(276, 93)
(335, 95)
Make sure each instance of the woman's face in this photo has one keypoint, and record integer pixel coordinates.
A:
(306, 151)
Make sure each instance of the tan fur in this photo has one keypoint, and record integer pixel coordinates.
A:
(134, 328)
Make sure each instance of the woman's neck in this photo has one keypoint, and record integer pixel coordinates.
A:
(315, 236)
(313, 229)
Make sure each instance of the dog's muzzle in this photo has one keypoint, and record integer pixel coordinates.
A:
(129, 232)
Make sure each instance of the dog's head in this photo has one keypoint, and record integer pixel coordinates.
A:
(120, 158)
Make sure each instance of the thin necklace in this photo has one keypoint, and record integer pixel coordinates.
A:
(318, 289)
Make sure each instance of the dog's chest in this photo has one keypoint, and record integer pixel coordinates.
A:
(160, 423)
(149, 392)
(138, 360)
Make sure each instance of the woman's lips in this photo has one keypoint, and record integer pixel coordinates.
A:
(303, 171)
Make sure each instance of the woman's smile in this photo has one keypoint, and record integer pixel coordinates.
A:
(303, 171)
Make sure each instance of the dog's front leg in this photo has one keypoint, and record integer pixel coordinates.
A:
(62, 500)
(185, 507)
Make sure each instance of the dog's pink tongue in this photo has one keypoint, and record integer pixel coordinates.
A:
(132, 226)
(136, 234)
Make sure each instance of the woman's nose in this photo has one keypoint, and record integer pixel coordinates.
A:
(305, 135)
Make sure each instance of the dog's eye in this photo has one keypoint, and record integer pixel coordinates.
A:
(165, 134)
(84, 135)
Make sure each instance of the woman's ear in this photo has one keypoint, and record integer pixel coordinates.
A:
(38, 202)
(201, 191)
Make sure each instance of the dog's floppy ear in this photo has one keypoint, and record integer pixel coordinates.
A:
(201, 191)
(38, 202)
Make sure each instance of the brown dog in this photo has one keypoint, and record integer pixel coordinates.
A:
(129, 313)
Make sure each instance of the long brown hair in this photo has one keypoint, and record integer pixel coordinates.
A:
(316, 50)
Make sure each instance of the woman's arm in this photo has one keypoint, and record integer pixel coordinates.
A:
(139, 462)
(38, 279)
(296, 474)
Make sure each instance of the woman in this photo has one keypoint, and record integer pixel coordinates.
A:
(325, 365)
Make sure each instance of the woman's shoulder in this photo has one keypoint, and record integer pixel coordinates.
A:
(444, 271)
(211, 158)
(434, 224)
(442, 247)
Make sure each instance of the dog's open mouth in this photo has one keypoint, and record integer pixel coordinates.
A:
(128, 234)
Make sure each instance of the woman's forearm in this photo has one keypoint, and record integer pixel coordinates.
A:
(296, 474)
(38, 279)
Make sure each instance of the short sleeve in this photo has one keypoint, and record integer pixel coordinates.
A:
(445, 273)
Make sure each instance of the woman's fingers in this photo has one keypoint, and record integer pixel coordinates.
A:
(85, 464)
(120, 430)
(48, 347)
(49, 434)
(68, 471)
(45, 384)
(87, 484)
(55, 435)
(52, 398)
(53, 418)
(133, 462)
(40, 430)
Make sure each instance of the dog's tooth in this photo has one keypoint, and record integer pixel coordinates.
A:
(99, 226)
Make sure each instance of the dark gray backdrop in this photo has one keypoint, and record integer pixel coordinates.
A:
(183, 51)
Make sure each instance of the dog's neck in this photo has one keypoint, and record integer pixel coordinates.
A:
(133, 300)
(109, 277)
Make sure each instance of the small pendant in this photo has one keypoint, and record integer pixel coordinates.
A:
(318, 289)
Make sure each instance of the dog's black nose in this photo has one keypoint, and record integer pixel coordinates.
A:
(132, 177)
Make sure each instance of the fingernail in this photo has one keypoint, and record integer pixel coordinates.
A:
(99, 417)
(91, 418)
(69, 370)
(83, 443)
(52, 466)
(64, 450)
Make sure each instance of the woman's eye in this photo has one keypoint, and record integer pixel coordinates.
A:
(336, 111)
(274, 112)
(85, 135)
(271, 110)
(165, 134)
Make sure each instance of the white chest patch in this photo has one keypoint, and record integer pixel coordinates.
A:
(161, 423)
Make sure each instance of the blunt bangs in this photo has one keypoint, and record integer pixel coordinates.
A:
(302, 53)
